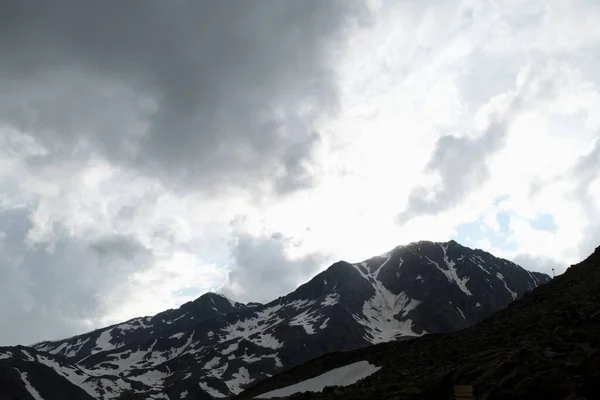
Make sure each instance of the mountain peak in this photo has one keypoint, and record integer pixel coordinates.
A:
(213, 346)
(543, 346)
(219, 296)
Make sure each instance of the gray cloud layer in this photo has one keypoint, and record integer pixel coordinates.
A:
(198, 93)
(52, 291)
(264, 271)
(201, 95)
(461, 161)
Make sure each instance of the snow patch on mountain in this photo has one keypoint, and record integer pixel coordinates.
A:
(109, 387)
(298, 304)
(330, 300)
(275, 358)
(501, 277)
(75, 348)
(342, 376)
(399, 271)
(384, 314)
(212, 363)
(151, 377)
(210, 390)
(32, 391)
(381, 313)
(76, 376)
(70, 348)
(103, 342)
(253, 328)
(28, 356)
(250, 358)
(480, 264)
(232, 347)
(450, 272)
(306, 320)
(135, 324)
(240, 379)
(268, 340)
(533, 277)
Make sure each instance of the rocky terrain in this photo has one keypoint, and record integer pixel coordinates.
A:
(544, 346)
(215, 348)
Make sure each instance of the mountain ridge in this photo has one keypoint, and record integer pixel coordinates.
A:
(543, 346)
(216, 347)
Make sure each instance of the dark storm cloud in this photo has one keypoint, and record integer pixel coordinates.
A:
(120, 246)
(264, 271)
(49, 293)
(201, 93)
(461, 162)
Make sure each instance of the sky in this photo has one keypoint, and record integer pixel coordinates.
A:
(151, 151)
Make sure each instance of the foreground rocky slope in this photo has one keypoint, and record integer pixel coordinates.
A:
(544, 346)
(214, 348)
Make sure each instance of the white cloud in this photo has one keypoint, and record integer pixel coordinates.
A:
(416, 72)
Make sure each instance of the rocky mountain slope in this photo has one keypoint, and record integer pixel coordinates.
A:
(543, 346)
(213, 347)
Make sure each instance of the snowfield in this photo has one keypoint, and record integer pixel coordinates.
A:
(343, 376)
(380, 313)
(34, 393)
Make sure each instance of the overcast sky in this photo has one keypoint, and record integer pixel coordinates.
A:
(151, 151)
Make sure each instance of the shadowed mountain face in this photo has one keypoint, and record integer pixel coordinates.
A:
(543, 346)
(213, 347)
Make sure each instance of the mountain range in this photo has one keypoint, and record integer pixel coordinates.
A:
(213, 347)
(542, 346)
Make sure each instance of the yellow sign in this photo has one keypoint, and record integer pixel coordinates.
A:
(463, 392)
